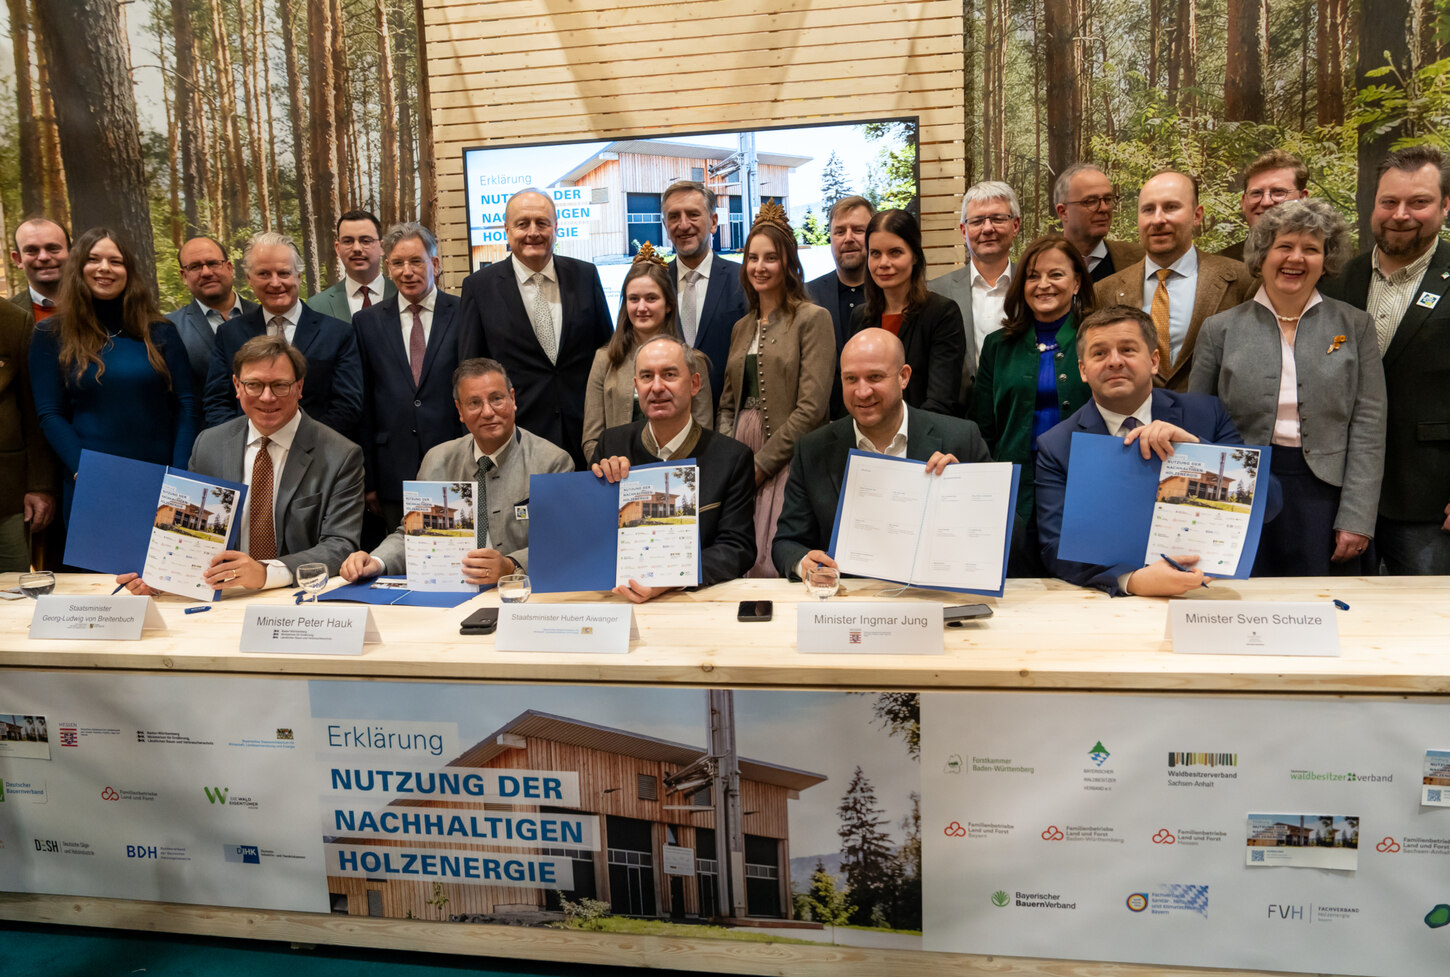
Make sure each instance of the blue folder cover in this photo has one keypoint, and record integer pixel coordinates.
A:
(1107, 476)
(114, 510)
(1006, 549)
(363, 592)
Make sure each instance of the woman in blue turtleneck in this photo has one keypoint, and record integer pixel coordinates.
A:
(1027, 375)
(109, 373)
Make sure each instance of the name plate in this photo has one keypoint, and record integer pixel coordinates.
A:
(116, 618)
(869, 628)
(601, 629)
(1248, 627)
(307, 629)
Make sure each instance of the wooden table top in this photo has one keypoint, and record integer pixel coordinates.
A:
(1045, 635)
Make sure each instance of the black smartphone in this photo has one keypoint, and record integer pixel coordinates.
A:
(482, 621)
(755, 610)
(958, 615)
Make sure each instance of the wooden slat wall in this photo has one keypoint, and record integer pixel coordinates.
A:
(521, 71)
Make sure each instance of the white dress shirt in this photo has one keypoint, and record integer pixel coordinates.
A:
(1114, 420)
(289, 329)
(278, 446)
(1182, 288)
(425, 313)
(523, 273)
(987, 302)
(671, 447)
(1097, 254)
(354, 292)
(37, 299)
(702, 269)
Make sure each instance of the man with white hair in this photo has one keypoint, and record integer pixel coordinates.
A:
(991, 218)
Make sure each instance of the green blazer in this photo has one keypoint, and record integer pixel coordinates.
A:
(1005, 396)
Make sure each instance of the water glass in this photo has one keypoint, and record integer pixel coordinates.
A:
(514, 588)
(37, 584)
(822, 581)
(312, 577)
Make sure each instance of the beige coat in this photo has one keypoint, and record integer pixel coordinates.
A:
(796, 364)
(609, 397)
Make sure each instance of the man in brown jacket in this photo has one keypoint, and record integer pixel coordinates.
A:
(1174, 282)
(27, 466)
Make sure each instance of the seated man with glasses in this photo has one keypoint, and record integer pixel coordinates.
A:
(497, 457)
(1084, 199)
(1273, 178)
(304, 481)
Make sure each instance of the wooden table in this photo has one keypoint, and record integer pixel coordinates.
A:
(1044, 636)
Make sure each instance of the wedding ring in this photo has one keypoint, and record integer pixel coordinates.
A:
(233, 575)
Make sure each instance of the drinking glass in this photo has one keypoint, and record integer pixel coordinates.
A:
(822, 581)
(514, 588)
(37, 584)
(312, 577)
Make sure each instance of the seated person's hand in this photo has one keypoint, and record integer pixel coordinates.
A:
(612, 469)
(358, 565)
(484, 567)
(1161, 580)
(1157, 438)
(938, 462)
(638, 593)
(135, 585)
(812, 560)
(233, 568)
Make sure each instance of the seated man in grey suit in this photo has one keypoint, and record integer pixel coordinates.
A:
(725, 499)
(495, 454)
(304, 480)
(874, 375)
(209, 276)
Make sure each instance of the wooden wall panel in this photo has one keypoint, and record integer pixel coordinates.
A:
(533, 71)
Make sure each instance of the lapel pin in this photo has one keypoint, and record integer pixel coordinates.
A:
(1427, 300)
(1338, 342)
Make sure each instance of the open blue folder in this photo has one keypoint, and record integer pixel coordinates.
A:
(574, 530)
(1007, 539)
(1107, 476)
(114, 510)
(368, 592)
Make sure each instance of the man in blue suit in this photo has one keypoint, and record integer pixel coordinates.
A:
(1117, 351)
(207, 271)
(408, 354)
(334, 369)
(709, 297)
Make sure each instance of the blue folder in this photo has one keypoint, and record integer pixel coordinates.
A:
(365, 592)
(1007, 540)
(114, 510)
(1107, 476)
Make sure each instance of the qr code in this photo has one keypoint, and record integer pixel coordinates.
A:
(1433, 795)
(1256, 856)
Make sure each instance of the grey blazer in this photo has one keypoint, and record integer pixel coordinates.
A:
(319, 508)
(609, 397)
(199, 338)
(1341, 393)
(957, 286)
(332, 300)
(508, 487)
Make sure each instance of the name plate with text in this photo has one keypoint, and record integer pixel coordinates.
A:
(1247, 627)
(601, 629)
(869, 628)
(307, 629)
(117, 618)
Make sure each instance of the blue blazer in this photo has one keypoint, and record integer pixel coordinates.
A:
(400, 421)
(724, 306)
(1199, 414)
(199, 340)
(332, 393)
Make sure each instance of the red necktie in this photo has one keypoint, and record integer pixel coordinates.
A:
(367, 296)
(416, 345)
(261, 533)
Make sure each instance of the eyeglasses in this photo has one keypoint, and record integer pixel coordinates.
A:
(1276, 195)
(1109, 200)
(495, 402)
(279, 388)
(409, 264)
(996, 220)
(197, 266)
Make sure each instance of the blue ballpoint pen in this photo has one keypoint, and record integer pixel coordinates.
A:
(1179, 566)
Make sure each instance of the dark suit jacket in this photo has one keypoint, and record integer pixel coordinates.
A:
(1234, 251)
(726, 499)
(332, 393)
(808, 512)
(199, 340)
(26, 462)
(935, 345)
(492, 322)
(825, 292)
(1120, 255)
(400, 422)
(1416, 483)
(723, 306)
(319, 506)
(1198, 414)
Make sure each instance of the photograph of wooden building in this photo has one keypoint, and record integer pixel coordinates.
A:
(1209, 486)
(188, 516)
(657, 505)
(657, 852)
(434, 517)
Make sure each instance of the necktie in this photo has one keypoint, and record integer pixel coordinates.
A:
(367, 296)
(279, 326)
(416, 345)
(1159, 313)
(542, 319)
(1130, 424)
(262, 534)
(688, 315)
(480, 502)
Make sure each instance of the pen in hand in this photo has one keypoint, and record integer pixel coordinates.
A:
(1179, 567)
(119, 587)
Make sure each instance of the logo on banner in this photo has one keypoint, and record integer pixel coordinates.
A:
(284, 734)
(1138, 901)
(1172, 898)
(110, 794)
(244, 854)
(69, 735)
(1438, 917)
(955, 830)
(854, 636)
(1388, 846)
(1052, 833)
(216, 795)
(1099, 753)
(141, 851)
(954, 763)
(1348, 777)
(1000, 898)
(1164, 837)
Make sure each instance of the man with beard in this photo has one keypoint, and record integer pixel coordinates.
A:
(840, 291)
(1402, 283)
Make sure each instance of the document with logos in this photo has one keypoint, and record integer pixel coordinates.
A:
(1435, 785)
(659, 532)
(1203, 505)
(195, 520)
(1303, 841)
(947, 532)
(439, 530)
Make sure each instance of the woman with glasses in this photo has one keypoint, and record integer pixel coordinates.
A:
(897, 300)
(109, 373)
